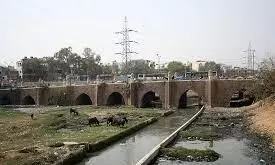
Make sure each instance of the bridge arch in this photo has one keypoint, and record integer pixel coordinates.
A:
(28, 100)
(241, 97)
(5, 100)
(151, 99)
(189, 98)
(115, 98)
(83, 99)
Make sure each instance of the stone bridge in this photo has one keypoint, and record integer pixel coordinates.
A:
(172, 93)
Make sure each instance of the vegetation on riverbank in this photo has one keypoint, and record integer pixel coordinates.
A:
(56, 133)
(185, 154)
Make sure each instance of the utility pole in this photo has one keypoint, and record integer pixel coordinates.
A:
(125, 43)
(250, 58)
(158, 62)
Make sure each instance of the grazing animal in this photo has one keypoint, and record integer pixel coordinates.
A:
(125, 119)
(93, 120)
(74, 111)
(120, 121)
(110, 120)
(32, 115)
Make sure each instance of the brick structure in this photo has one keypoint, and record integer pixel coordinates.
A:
(216, 93)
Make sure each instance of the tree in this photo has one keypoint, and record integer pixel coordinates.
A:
(266, 86)
(52, 68)
(211, 65)
(176, 66)
(107, 69)
(88, 53)
(92, 62)
(34, 69)
(267, 63)
(115, 67)
(139, 66)
(64, 59)
(63, 63)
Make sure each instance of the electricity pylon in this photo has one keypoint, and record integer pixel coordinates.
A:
(250, 57)
(125, 43)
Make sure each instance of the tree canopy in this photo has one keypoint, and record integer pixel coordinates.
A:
(139, 66)
(210, 65)
(178, 67)
(64, 62)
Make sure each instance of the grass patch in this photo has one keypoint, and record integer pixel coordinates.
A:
(4, 112)
(202, 133)
(47, 132)
(185, 154)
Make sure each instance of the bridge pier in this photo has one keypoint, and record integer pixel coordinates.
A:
(167, 92)
(208, 89)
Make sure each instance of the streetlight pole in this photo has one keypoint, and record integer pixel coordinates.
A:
(71, 72)
(158, 62)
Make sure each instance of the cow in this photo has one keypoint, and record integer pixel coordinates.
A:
(93, 120)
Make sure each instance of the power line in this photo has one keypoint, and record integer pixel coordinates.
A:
(125, 43)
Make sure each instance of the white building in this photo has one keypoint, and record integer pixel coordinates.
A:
(197, 64)
(226, 68)
(19, 68)
(161, 66)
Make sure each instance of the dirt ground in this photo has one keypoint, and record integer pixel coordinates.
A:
(263, 120)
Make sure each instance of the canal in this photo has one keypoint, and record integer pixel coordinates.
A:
(224, 131)
(130, 150)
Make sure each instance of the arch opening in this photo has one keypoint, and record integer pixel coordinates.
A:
(115, 99)
(83, 99)
(151, 100)
(28, 100)
(5, 100)
(189, 98)
(241, 98)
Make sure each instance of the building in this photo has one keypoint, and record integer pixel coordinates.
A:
(19, 68)
(2, 74)
(8, 75)
(197, 64)
(12, 74)
(161, 66)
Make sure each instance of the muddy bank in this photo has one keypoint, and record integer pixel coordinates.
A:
(226, 131)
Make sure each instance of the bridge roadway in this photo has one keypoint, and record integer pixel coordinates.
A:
(130, 150)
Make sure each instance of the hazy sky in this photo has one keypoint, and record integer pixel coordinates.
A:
(184, 30)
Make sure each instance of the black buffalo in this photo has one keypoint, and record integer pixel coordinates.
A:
(74, 111)
(118, 120)
(32, 115)
(110, 119)
(93, 120)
